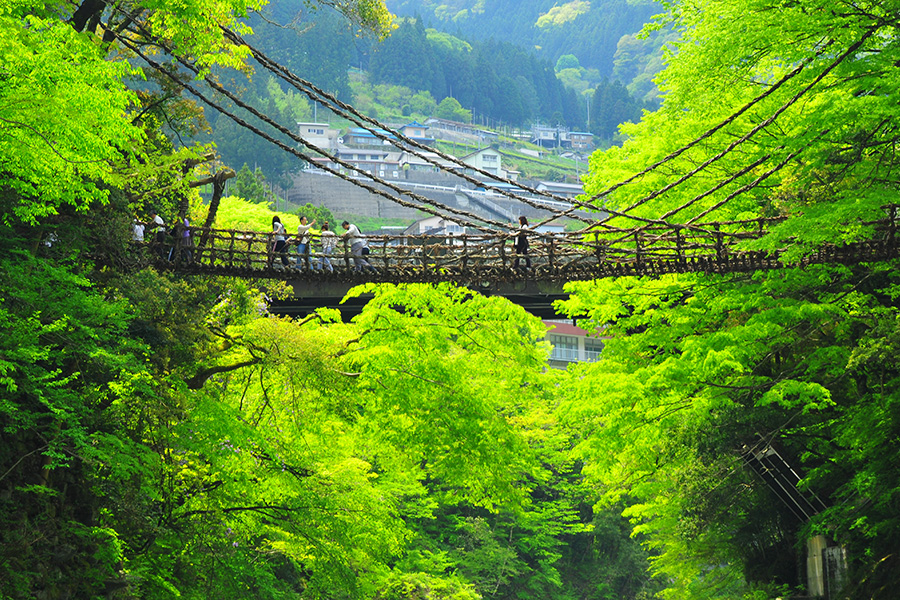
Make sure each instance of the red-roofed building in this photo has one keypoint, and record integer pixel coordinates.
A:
(571, 343)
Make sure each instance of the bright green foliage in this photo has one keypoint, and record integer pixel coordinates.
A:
(770, 109)
(319, 214)
(450, 108)
(698, 369)
(62, 118)
(444, 376)
(323, 465)
(250, 185)
(236, 213)
(828, 76)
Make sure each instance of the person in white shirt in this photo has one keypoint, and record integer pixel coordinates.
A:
(303, 241)
(280, 235)
(159, 241)
(137, 229)
(329, 241)
(357, 243)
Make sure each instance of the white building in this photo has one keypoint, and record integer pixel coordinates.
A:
(566, 190)
(435, 225)
(418, 162)
(571, 343)
(486, 159)
(320, 135)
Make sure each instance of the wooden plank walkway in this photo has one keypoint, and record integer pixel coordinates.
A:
(555, 257)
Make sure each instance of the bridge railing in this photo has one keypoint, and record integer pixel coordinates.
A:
(253, 251)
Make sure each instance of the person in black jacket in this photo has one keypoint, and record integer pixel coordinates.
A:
(522, 244)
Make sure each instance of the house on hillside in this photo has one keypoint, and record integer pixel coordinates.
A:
(581, 140)
(357, 136)
(435, 225)
(418, 133)
(452, 126)
(545, 136)
(383, 163)
(487, 135)
(320, 135)
(417, 162)
(566, 190)
(486, 159)
(571, 343)
(561, 137)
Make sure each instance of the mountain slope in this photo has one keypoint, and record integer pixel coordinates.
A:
(588, 30)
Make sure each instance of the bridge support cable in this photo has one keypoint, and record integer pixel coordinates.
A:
(471, 219)
(691, 223)
(377, 128)
(347, 111)
(851, 50)
(435, 208)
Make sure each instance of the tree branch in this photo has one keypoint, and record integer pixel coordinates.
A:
(196, 382)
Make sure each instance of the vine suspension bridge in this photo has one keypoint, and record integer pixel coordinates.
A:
(489, 258)
(694, 183)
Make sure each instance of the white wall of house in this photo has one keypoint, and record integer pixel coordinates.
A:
(442, 225)
(488, 160)
(571, 344)
(320, 135)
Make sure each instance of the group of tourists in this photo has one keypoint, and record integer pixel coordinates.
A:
(179, 246)
(327, 240)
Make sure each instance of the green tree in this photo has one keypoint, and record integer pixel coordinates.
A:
(567, 61)
(450, 108)
(699, 369)
(250, 185)
(423, 103)
(612, 105)
(319, 214)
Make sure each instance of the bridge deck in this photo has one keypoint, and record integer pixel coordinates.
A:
(491, 261)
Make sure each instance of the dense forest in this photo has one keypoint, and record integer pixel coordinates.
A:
(495, 83)
(590, 31)
(498, 81)
(166, 436)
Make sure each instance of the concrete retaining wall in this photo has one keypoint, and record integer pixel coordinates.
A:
(344, 198)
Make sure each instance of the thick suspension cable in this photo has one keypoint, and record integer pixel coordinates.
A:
(348, 112)
(475, 219)
(471, 220)
(730, 119)
(413, 146)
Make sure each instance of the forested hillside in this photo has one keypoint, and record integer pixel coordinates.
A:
(498, 84)
(497, 81)
(588, 30)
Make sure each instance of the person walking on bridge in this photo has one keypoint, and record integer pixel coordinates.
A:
(522, 244)
(158, 226)
(280, 242)
(329, 241)
(303, 241)
(357, 244)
